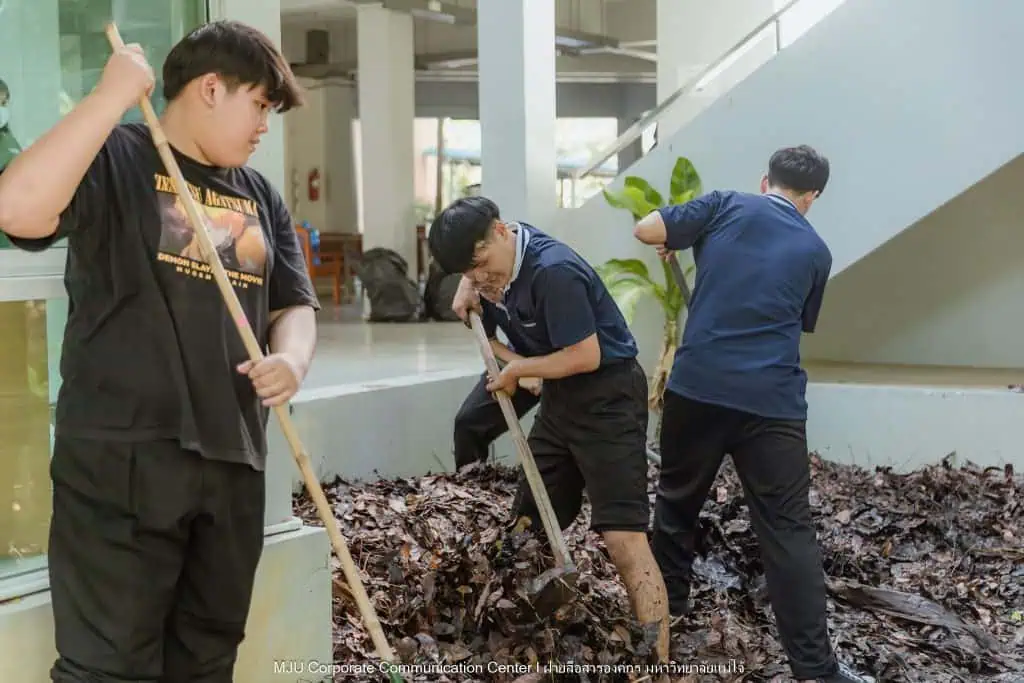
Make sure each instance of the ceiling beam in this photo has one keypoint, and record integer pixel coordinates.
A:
(450, 13)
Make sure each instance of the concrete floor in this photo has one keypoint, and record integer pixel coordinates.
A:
(913, 375)
(351, 351)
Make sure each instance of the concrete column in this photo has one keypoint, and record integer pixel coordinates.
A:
(516, 41)
(339, 112)
(266, 16)
(692, 34)
(305, 150)
(387, 107)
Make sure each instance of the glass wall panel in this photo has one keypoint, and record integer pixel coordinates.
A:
(52, 53)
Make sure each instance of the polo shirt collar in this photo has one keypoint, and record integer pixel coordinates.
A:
(522, 239)
(779, 199)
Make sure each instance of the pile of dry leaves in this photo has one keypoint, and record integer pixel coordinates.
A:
(926, 576)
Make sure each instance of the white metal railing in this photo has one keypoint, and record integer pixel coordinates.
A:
(630, 135)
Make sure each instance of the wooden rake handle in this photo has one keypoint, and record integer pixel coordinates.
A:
(234, 306)
(540, 492)
(680, 278)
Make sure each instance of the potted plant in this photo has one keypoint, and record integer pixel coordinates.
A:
(629, 281)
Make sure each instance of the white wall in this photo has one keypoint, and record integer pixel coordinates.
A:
(908, 427)
(948, 291)
(911, 111)
(693, 34)
(375, 444)
(319, 135)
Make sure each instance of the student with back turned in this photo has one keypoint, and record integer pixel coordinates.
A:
(590, 430)
(737, 387)
(158, 462)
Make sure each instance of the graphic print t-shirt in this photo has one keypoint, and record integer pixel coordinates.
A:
(150, 349)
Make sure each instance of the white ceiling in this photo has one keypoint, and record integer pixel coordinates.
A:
(440, 47)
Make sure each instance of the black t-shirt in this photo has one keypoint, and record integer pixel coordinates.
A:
(150, 350)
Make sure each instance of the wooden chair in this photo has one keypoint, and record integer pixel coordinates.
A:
(322, 263)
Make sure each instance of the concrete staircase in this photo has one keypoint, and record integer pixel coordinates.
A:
(916, 105)
(912, 101)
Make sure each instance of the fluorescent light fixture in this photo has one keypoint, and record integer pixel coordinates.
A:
(581, 40)
(572, 43)
(446, 60)
(431, 15)
(433, 10)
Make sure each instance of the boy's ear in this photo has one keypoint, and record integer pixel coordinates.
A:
(207, 85)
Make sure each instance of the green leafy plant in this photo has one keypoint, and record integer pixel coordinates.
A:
(629, 281)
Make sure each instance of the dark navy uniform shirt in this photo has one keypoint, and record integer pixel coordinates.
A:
(556, 300)
(761, 275)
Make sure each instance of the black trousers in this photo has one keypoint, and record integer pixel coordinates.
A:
(772, 463)
(590, 435)
(153, 554)
(480, 421)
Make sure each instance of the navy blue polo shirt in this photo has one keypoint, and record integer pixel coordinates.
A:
(761, 275)
(555, 300)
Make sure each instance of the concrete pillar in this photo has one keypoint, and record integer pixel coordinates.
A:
(305, 150)
(516, 41)
(339, 112)
(692, 34)
(266, 16)
(387, 108)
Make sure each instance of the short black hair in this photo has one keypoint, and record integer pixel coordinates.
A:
(4, 90)
(800, 169)
(239, 54)
(458, 229)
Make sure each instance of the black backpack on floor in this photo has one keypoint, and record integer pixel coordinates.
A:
(439, 293)
(393, 296)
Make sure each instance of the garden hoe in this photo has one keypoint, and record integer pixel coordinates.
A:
(684, 287)
(555, 587)
(323, 508)
(679, 277)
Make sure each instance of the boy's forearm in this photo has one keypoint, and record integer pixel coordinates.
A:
(293, 333)
(39, 183)
(504, 354)
(556, 365)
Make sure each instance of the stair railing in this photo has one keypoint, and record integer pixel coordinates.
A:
(652, 117)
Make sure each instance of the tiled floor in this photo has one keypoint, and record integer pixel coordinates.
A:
(352, 351)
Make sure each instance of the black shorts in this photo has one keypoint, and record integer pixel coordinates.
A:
(153, 554)
(590, 434)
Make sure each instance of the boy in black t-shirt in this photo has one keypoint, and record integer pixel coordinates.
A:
(158, 463)
(590, 432)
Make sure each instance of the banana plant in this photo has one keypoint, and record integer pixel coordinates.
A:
(629, 281)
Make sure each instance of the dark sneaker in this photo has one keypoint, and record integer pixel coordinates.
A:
(845, 675)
